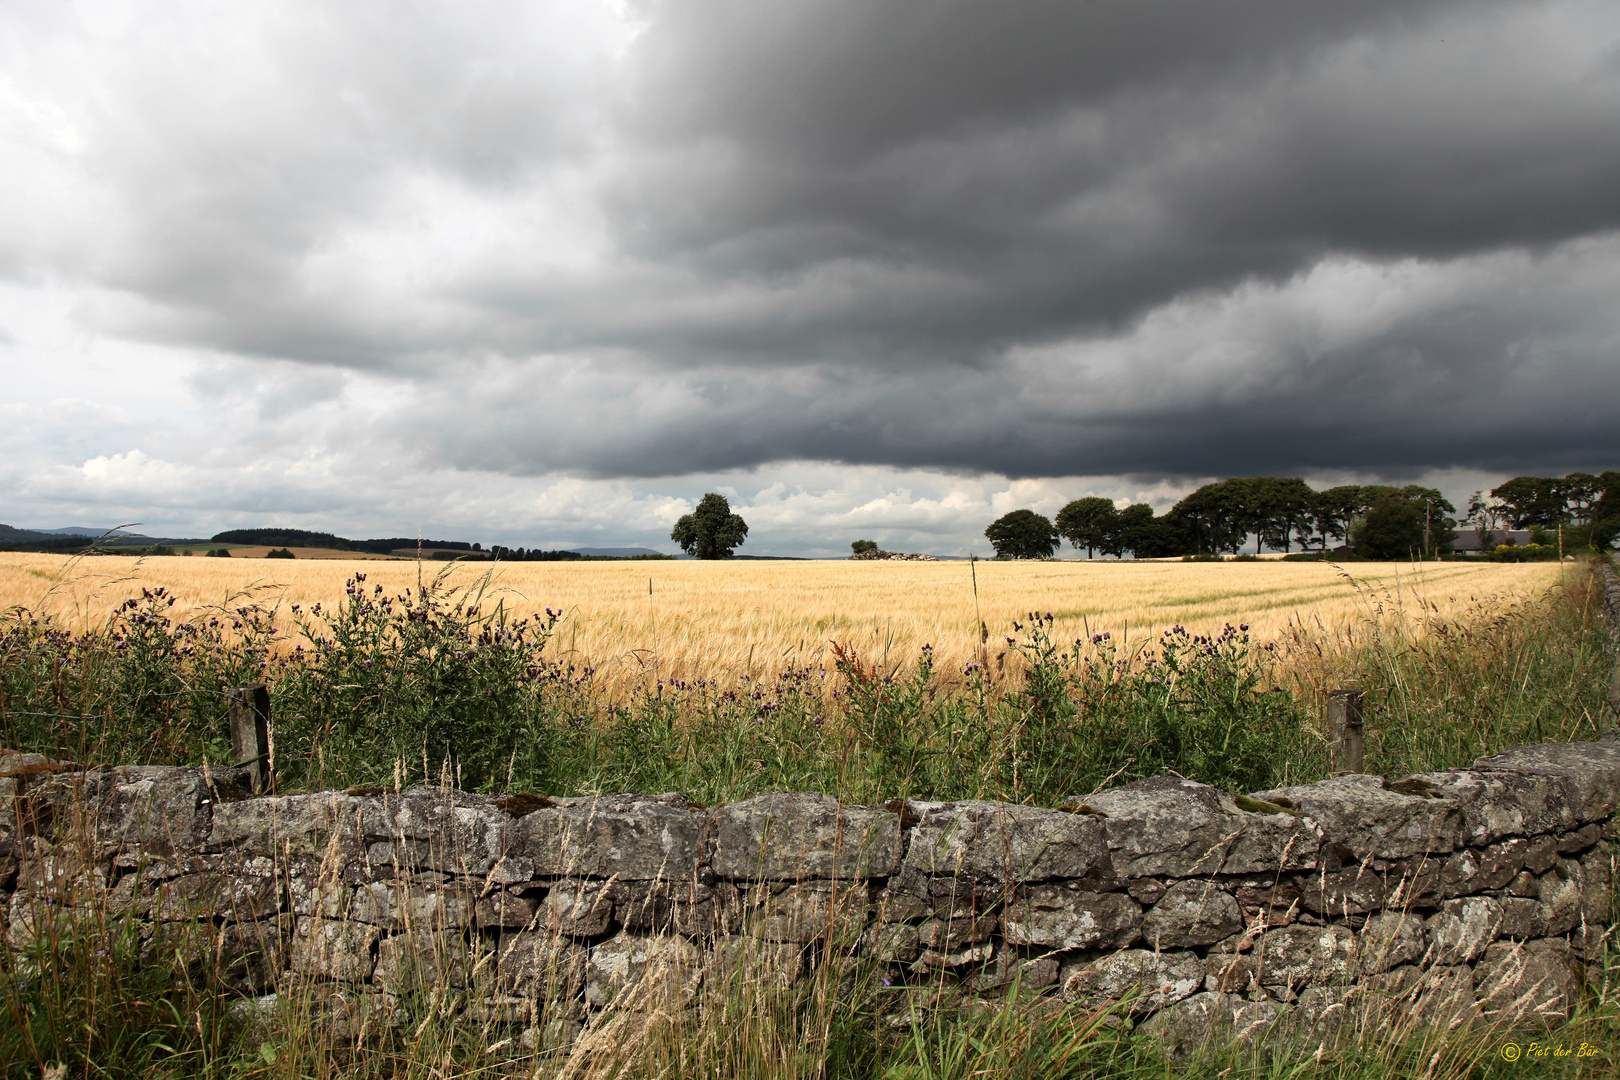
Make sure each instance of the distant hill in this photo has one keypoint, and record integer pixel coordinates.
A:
(11, 535)
(614, 553)
(80, 530)
(283, 537)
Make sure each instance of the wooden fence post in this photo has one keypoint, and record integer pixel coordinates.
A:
(1344, 730)
(250, 733)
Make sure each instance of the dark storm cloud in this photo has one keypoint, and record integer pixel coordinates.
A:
(1156, 237)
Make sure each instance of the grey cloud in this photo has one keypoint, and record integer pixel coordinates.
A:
(920, 235)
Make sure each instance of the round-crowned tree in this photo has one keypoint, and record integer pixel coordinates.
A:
(1087, 522)
(1023, 534)
(711, 531)
(1392, 529)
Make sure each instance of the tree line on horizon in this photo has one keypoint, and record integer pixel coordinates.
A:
(1374, 521)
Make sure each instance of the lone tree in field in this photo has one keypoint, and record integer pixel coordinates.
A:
(710, 531)
(1023, 534)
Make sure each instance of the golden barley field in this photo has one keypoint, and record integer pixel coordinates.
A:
(632, 621)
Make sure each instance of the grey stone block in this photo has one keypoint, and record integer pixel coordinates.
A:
(1591, 768)
(1532, 982)
(1007, 969)
(1460, 932)
(540, 965)
(427, 828)
(415, 905)
(1061, 916)
(241, 890)
(948, 934)
(1360, 815)
(153, 809)
(790, 837)
(1197, 1021)
(581, 908)
(642, 973)
(1166, 826)
(1522, 918)
(1387, 941)
(1191, 913)
(748, 961)
(811, 911)
(334, 949)
(423, 958)
(1561, 897)
(892, 943)
(1474, 870)
(1149, 980)
(626, 837)
(1001, 842)
(1294, 957)
(1444, 997)
(506, 910)
(1498, 804)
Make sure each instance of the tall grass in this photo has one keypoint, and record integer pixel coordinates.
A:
(1445, 687)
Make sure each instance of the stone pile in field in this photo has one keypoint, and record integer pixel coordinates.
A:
(1471, 894)
(890, 556)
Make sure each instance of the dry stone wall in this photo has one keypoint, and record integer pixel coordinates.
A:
(1478, 892)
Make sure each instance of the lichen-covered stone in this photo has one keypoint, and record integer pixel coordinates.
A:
(1561, 896)
(416, 905)
(1003, 842)
(1459, 932)
(1062, 917)
(1294, 957)
(507, 910)
(626, 837)
(581, 908)
(334, 949)
(1522, 918)
(1533, 981)
(1359, 814)
(814, 910)
(1500, 804)
(642, 973)
(1147, 981)
(1191, 913)
(1388, 941)
(1474, 870)
(540, 965)
(789, 837)
(422, 958)
(1194, 1022)
(1592, 770)
(1170, 827)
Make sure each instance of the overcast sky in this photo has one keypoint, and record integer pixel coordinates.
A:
(544, 273)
